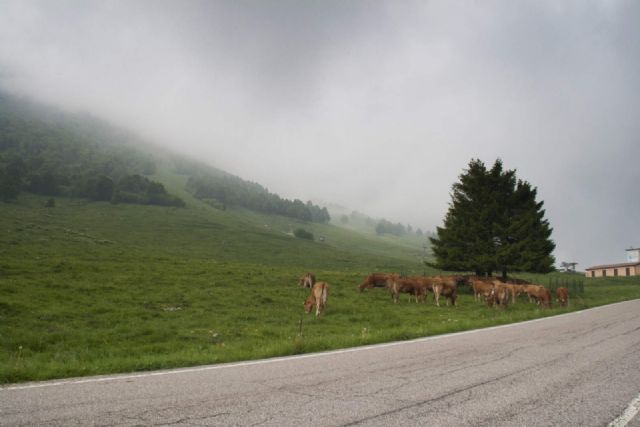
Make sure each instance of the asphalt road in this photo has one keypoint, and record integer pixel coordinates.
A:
(580, 369)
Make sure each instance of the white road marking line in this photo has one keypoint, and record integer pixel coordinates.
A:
(628, 414)
(54, 383)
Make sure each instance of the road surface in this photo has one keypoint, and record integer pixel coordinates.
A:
(579, 369)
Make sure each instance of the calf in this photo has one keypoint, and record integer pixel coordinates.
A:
(563, 296)
(307, 281)
(318, 297)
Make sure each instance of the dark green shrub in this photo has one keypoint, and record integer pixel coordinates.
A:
(301, 233)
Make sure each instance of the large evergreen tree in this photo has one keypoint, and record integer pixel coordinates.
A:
(494, 224)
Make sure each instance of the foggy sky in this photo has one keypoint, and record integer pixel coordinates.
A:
(378, 106)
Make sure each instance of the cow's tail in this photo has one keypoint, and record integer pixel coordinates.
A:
(322, 298)
(325, 293)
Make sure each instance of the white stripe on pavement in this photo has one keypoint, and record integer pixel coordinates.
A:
(628, 414)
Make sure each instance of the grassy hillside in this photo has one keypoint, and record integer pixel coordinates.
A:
(93, 287)
(84, 284)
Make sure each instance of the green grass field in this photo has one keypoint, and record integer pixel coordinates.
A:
(95, 288)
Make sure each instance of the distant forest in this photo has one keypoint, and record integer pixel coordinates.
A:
(380, 226)
(221, 189)
(47, 152)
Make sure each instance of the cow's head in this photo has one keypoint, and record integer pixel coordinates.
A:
(364, 285)
(308, 305)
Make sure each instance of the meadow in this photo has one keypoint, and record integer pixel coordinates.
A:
(95, 288)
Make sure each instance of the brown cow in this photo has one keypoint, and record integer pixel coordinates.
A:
(318, 297)
(307, 281)
(544, 297)
(540, 294)
(445, 286)
(514, 291)
(500, 293)
(532, 292)
(407, 285)
(374, 280)
(426, 283)
(563, 296)
(482, 287)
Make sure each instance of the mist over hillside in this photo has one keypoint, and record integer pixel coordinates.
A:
(46, 151)
(354, 219)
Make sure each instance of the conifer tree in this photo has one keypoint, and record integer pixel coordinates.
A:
(494, 224)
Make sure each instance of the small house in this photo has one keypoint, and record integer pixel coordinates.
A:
(626, 269)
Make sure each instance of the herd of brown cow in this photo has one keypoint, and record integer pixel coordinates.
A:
(493, 291)
(416, 287)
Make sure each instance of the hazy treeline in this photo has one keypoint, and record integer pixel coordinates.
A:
(381, 226)
(44, 151)
(221, 189)
(49, 153)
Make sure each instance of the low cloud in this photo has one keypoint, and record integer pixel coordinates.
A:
(378, 106)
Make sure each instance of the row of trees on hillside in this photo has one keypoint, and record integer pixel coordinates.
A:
(15, 178)
(494, 224)
(381, 226)
(387, 227)
(224, 189)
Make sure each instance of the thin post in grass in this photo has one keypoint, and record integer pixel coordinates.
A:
(300, 331)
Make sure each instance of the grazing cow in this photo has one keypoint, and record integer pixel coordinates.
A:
(544, 297)
(540, 294)
(514, 290)
(307, 281)
(482, 287)
(445, 286)
(426, 283)
(374, 280)
(500, 293)
(318, 297)
(407, 285)
(563, 296)
(532, 292)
